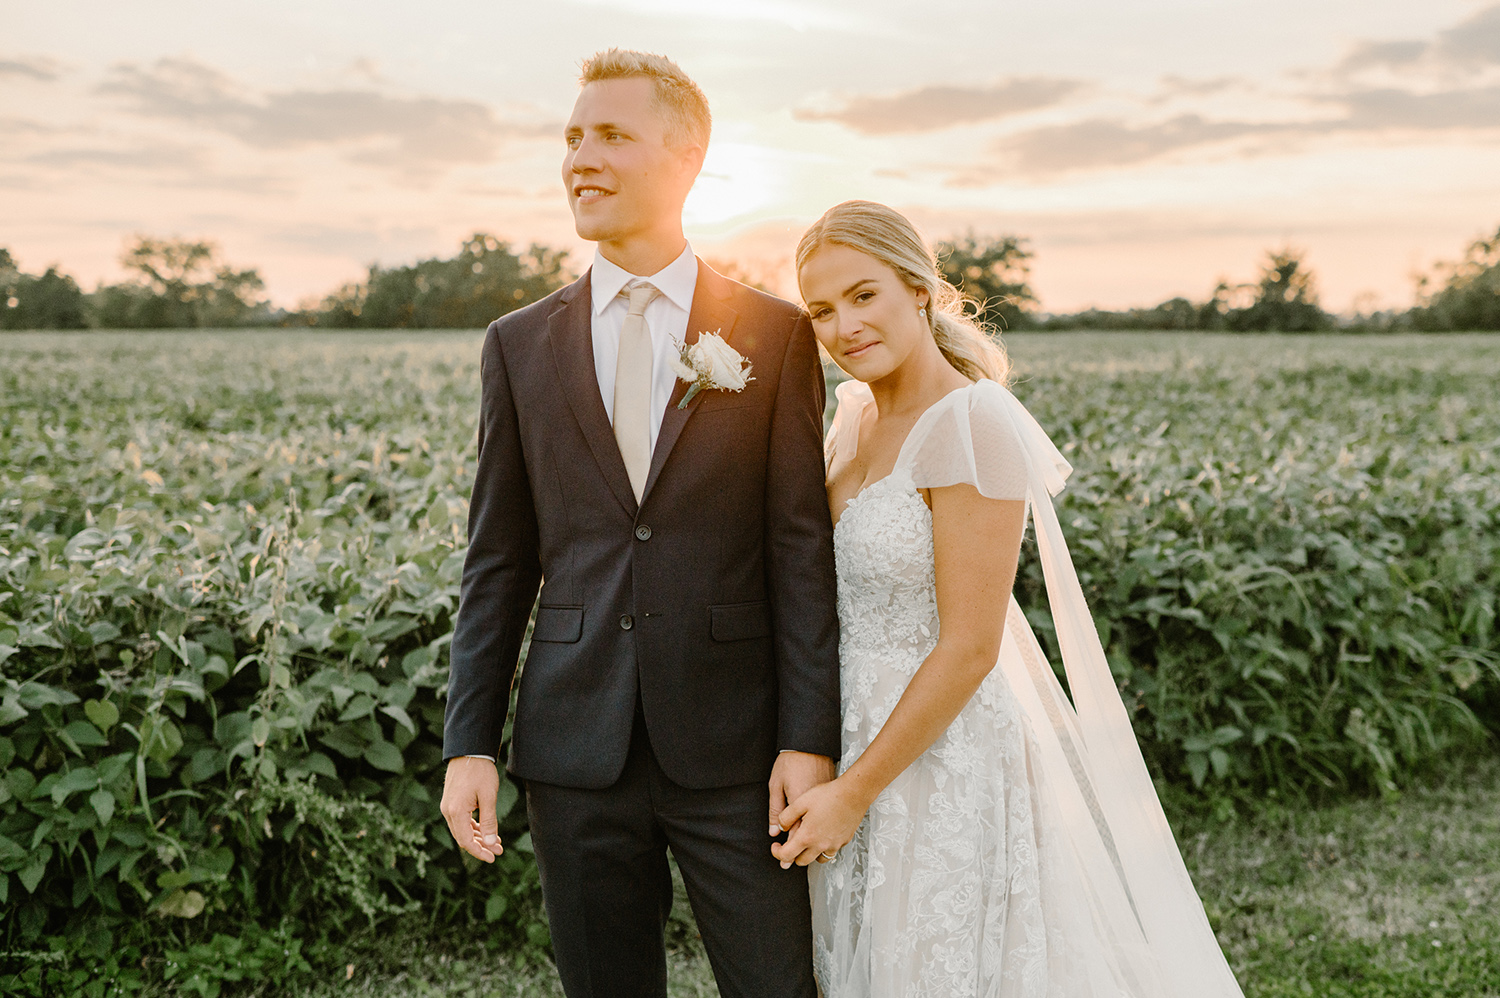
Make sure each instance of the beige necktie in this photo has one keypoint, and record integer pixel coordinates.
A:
(633, 388)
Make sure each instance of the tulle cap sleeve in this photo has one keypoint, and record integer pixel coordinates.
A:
(982, 436)
(843, 435)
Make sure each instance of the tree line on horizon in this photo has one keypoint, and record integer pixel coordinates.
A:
(176, 283)
(1463, 295)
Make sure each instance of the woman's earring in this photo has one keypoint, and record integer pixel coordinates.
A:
(922, 311)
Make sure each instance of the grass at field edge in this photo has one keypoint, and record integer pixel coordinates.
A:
(1396, 898)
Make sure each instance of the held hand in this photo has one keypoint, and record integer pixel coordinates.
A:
(794, 774)
(471, 785)
(821, 822)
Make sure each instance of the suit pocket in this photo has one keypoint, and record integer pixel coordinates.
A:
(558, 623)
(739, 621)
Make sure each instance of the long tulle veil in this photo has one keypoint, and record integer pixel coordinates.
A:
(1142, 898)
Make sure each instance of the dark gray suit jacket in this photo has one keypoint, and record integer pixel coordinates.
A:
(713, 600)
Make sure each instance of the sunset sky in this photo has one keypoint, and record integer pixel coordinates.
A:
(1147, 148)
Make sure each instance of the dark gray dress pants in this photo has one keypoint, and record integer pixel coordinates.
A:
(602, 855)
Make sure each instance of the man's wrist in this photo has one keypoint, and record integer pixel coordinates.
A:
(820, 755)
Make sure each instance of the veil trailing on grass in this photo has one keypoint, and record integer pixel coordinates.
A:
(1140, 893)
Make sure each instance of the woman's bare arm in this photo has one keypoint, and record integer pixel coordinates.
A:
(976, 545)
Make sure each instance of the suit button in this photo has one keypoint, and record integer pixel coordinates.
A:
(643, 533)
(626, 621)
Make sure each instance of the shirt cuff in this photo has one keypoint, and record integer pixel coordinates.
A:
(487, 758)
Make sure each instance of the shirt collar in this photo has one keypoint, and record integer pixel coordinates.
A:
(675, 281)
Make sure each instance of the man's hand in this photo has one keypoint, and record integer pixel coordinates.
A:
(794, 774)
(471, 785)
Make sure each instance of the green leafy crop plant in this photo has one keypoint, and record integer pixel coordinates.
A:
(229, 565)
(228, 572)
(1290, 546)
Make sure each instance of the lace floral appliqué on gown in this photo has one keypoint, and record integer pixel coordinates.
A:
(973, 873)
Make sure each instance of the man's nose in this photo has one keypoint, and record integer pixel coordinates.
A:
(585, 158)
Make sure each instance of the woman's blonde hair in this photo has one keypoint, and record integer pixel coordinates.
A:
(887, 235)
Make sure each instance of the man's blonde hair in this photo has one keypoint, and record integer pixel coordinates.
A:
(676, 97)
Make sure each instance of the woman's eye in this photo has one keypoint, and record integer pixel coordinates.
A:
(864, 296)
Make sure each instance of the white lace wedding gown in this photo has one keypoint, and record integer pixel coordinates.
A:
(1024, 854)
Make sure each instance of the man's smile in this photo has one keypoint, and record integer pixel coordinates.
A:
(589, 194)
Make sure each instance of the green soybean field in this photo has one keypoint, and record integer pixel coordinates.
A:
(229, 568)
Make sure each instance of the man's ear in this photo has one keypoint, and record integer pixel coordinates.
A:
(690, 162)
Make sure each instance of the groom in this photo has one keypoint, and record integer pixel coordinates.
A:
(684, 657)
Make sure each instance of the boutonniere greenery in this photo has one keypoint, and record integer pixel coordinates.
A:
(711, 363)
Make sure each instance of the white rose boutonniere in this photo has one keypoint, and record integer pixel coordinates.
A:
(711, 363)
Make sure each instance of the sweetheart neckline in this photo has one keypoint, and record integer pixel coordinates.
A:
(879, 481)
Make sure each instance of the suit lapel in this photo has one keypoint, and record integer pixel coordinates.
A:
(570, 331)
(711, 312)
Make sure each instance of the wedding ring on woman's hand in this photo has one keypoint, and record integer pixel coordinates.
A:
(825, 857)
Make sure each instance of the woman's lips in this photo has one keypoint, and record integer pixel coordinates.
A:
(856, 351)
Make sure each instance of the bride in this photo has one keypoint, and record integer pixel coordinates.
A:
(986, 836)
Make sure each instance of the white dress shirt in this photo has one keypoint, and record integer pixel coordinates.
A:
(666, 317)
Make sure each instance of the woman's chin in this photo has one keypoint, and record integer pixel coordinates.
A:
(866, 368)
